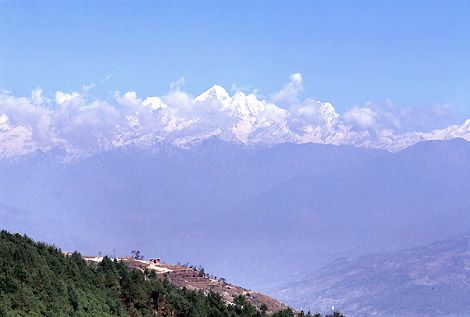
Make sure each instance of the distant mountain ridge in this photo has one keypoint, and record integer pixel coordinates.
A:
(81, 125)
(277, 212)
(431, 280)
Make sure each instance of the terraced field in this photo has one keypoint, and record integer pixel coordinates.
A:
(192, 278)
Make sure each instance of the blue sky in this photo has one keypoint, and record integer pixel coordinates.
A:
(416, 53)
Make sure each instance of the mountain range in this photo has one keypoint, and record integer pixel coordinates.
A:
(82, 124)
(259, 216)
(430, 280)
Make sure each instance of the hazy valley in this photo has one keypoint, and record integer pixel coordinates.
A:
(257, 216)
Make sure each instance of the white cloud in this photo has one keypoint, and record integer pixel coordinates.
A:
(63, 98)
(177, 84)
(84, 126)
(364, 117)
(14, 140)
(288, 95)
(154, 103)
(88, 87)
(38, 98)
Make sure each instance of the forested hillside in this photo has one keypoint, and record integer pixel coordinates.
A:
(39, 280)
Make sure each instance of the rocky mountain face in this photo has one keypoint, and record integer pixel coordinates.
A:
(432, 280)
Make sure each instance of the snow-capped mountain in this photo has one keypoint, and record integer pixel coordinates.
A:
(85, 125)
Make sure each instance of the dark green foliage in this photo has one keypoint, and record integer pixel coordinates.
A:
(284, 313)
(38, 280)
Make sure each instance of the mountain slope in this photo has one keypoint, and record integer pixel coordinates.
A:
(193, 278)
(39, 280)
(270, 213)
(432, 280)
(164, 200)
(392, 202)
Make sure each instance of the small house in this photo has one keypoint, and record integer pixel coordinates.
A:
(155, 260)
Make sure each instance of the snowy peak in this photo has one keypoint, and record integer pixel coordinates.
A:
(85, 124)
(216, 92)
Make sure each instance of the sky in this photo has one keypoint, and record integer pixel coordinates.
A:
(413, 56)
(349, 52)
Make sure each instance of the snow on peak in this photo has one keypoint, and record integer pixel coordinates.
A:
(84, 126)
(329, 114)
(215, 92)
